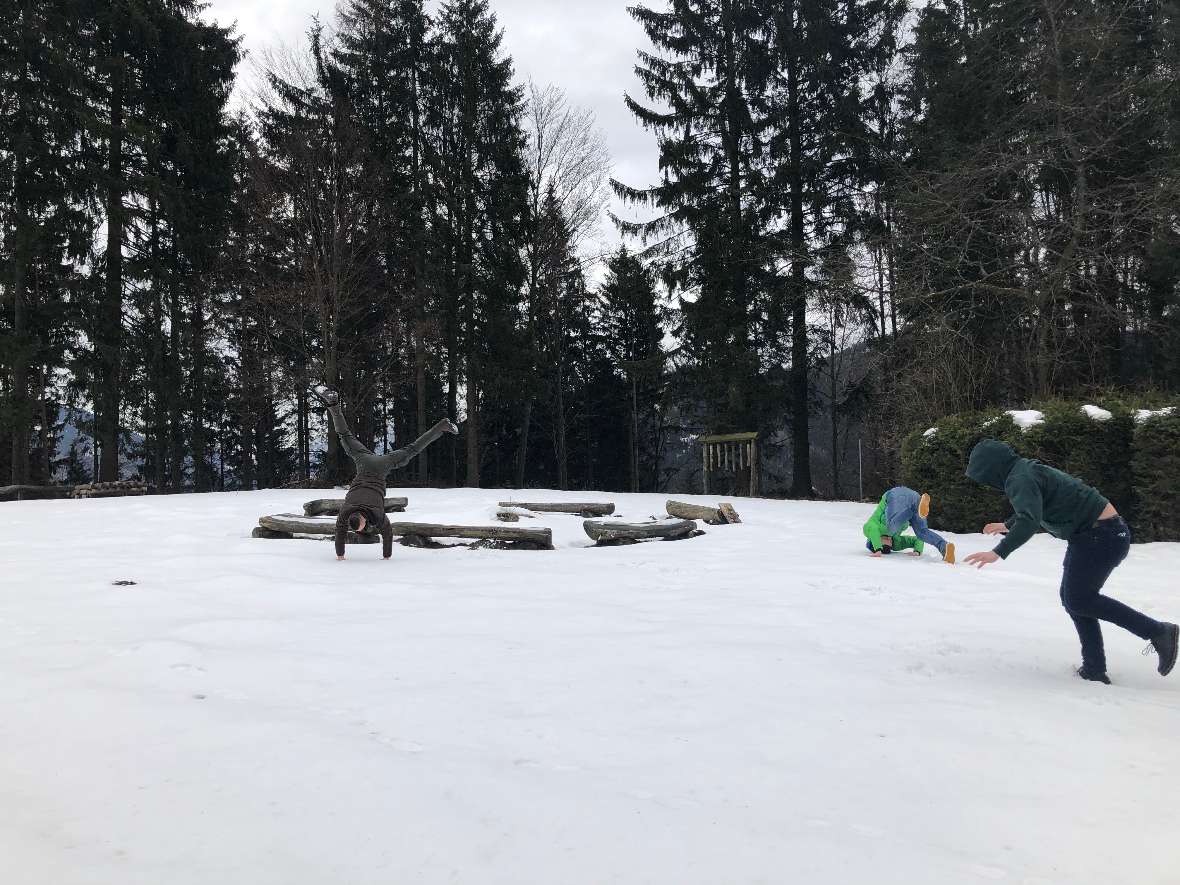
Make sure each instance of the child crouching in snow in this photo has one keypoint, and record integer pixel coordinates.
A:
(899, 509)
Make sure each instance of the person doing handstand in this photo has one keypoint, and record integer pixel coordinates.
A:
(364, 505)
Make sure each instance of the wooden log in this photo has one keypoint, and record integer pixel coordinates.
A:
(270, 534)
(580, 509)
(350, 538)
(605, 532)
(31, 493)
(729, 514)
(681, 510)
(540, 537)
(298, 524)
(333, 506)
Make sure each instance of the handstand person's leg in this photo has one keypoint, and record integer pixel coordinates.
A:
(351, 444)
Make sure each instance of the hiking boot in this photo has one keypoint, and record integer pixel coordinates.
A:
(1092, 676)
(1165, 645)
(948, 555)
(924, 506)
(325, 394)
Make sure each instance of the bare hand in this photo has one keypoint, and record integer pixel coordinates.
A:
(876, 554)
(340, 559)
(982, 558)
(447, 426)
(913, 553)
(995, 528)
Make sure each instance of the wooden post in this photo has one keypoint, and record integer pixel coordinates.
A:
(705, 472)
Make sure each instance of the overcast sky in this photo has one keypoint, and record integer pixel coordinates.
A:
(587, 47)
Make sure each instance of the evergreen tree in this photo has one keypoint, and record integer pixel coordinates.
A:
(632, 321)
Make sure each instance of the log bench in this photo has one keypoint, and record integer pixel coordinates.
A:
(30, 493)
(424, 534)
(578, 509)
(333, 506)
(608, 532)
(413, 534)
(722, 514)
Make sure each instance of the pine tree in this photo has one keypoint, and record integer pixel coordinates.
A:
(632, 322)
(476, 163)
(711, 226)
(42, 189)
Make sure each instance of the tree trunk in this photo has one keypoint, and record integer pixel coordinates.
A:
(110, 322)
(522, 447)
(800, 430)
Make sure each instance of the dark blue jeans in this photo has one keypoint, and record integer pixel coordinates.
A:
(1092, 555)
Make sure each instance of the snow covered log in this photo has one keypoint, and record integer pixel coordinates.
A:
(31, 493)
(294, 523)
(333, 506)
(414, 532)
(610, 532)
(579, 509)
(280, 535)
(681, 510)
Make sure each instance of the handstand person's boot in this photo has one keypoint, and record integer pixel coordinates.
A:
(1165, 645)
(923, 506)
(948, 554)
(325, 394)
(1093, 675)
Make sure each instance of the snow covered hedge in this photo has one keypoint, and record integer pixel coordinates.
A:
(1155, 462)
(1134, 462)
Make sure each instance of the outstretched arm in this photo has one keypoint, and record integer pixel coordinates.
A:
(402, 457)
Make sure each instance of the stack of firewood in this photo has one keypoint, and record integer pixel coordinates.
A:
(117, 489)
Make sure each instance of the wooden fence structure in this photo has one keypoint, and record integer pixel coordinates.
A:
(737, 452)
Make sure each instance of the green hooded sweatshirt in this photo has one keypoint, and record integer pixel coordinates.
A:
(1041, 496)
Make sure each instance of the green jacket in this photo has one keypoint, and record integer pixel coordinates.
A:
(1042, 497)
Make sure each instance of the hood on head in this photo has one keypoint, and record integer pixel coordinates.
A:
(990, 463)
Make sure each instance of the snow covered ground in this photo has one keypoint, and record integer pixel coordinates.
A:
(764, 704)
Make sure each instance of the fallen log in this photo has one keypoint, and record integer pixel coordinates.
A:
(300, 525)
(580, 509)
(33, 493)
(610, 532)
(681, 510)
(333, 506)
(264, 531)
(414, 533)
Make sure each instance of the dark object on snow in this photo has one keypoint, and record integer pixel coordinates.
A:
(422, 534)
(579, 509)
(34, 493)
(1092, 676)
(608, 532)
(123, 583)
(333, 506)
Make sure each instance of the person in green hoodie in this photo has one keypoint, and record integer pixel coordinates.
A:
(1099, 540)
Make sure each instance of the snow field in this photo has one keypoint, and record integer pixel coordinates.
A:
(764, 704)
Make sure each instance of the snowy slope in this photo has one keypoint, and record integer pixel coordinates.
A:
(764, 704)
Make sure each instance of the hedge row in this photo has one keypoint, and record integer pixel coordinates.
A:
(1132, 457)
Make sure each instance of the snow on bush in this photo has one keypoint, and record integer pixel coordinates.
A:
(1026, 418)
(931, 432)
(1097, 414)
(1147, 414)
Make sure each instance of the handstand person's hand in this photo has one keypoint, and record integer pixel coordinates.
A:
(982, 558)
(447, 426)
(876, 554)
(995, 528)
(340, 559)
